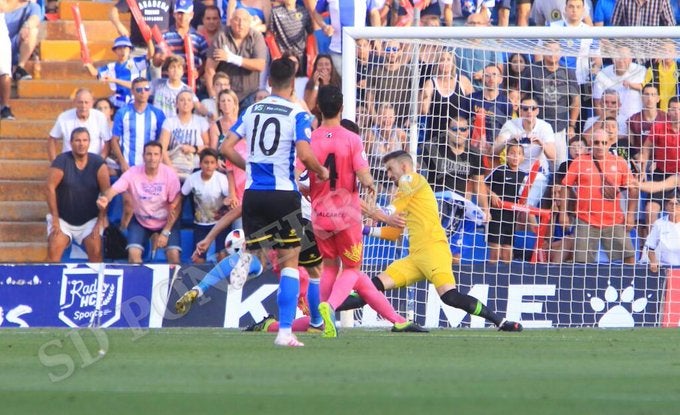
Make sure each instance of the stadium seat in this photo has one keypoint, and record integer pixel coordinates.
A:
(187, 212)
(115, 212)
(74, 254)
(474, 243)
(187, 244)
(524, 244)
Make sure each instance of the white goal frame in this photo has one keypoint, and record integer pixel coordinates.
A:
(508, 34)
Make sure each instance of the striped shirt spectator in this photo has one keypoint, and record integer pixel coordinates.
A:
(133, 68)
(175, 42)
(134, 125)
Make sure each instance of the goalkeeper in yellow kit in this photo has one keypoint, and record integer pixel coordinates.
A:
(415, 207)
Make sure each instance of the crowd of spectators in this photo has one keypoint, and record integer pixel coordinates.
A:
(483, 115)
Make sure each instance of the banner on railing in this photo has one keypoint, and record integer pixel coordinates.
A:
(540, 296)
(79, 295)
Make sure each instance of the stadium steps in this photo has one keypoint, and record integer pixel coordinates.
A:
(22, 231)
(23, 148)
(66, 30)
(89, 10)
(21, 252)
(39, 109)
(22, 211)
(64, 89)
(23, 190)
(61, 71)
(24, 169)
(66, 50)
(31, 129)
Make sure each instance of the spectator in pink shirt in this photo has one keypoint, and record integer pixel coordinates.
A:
(154, 189)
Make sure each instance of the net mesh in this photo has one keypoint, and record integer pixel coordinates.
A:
(465, 108)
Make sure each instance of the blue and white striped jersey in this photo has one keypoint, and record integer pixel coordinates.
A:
(135, 129)
(271, 129)
(127, 71)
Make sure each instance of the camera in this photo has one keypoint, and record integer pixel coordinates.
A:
(525, 139)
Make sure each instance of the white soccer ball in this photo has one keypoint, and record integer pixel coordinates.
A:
(235, 241)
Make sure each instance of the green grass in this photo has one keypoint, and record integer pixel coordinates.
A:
(217, 371)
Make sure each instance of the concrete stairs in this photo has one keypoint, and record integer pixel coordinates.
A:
(36, 104)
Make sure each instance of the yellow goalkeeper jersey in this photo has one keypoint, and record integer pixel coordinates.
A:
(416, 198)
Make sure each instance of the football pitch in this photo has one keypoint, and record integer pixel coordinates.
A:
(457, 371)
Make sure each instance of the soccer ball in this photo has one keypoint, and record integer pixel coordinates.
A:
(235, 241)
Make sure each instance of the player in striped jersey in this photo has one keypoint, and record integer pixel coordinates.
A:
(275, 130)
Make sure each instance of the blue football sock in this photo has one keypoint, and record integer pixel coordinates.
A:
(222, 270)
(313, 301)
(256, 267)
(289, 288)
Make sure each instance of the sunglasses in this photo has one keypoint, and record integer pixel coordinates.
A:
(391, 49)
(459, 128)
(141, 89)
(527, 108)
(600, 143)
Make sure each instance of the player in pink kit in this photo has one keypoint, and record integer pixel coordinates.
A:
(336, 215)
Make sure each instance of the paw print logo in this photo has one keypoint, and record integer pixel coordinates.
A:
(618, 315)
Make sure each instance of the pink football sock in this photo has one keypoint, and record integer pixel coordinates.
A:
(328, 277)
(343, 286)
(376, 299)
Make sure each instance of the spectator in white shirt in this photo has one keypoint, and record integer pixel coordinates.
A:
(83, 115)
(663, 241)
(537, 138)
(624, 76)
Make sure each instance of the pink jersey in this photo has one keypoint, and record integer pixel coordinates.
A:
(335, 202)
(239, 175)
(150, 197)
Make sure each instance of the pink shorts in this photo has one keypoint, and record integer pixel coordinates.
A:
(346, 244)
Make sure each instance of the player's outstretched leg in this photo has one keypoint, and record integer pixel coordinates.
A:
(242, 270)
(222, 270)
(184, 303)
(377, 300)
(354, 300)
(475, 307)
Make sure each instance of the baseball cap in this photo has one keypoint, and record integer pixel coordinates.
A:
(184, 6)
(122, 41)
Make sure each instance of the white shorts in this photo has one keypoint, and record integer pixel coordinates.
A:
(5, 56)
(75, 233)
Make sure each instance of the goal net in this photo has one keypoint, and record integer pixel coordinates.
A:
(516, 130)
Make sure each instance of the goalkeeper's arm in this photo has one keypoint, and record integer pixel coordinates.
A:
(388, 215)
(389, 233)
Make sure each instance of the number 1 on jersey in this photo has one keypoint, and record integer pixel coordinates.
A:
(332, 170)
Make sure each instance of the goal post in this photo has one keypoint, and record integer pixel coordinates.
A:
(395, 104)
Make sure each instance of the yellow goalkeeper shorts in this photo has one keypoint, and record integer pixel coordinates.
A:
(432, 263)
